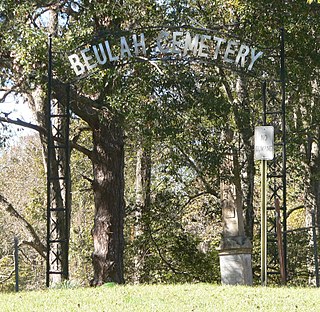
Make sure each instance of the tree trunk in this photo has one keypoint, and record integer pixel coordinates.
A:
(108, 185)
(143, 179)
(243, 115)
(312, 202)
(107, 157)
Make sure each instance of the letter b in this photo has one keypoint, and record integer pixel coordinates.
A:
(77, 66)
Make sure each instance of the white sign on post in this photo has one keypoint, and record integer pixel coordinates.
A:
(264, 143)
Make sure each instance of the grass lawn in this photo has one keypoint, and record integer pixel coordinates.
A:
(178, 298)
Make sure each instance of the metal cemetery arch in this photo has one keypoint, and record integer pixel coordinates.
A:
(92, 56)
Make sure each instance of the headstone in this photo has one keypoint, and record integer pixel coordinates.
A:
(235, 248)
(235, 261)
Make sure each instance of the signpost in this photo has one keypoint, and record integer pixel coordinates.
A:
(264, 150)
(264, 143)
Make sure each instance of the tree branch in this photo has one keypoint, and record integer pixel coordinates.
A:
(6, 91)
(294, 209)
(208, 187)
(43, 131)
(83, 106)
(194, 197)
(19, 122)
(166, 262)
(6, 278)
(35, 242)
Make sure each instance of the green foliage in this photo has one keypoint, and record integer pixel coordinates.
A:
(25, 190)
(7, 269)
(180, 239)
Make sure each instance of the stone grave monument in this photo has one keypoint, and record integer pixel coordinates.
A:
(235, 249)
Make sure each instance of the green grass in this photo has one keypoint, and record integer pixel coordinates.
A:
(177, 298)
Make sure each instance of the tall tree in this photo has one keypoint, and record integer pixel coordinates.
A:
(97, 101)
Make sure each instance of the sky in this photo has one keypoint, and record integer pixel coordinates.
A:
(17, 109)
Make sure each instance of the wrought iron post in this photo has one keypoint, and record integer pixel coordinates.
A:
(58, 182)
(274, 113)
(284, 151)
(264, 103)
(315, 247)
(49, 140)
(16, 263)
(264, 185)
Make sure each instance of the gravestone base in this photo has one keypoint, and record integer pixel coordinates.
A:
(235, 254)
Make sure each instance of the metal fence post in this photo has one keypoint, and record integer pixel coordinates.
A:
(16, 263)
(263, 222)
(315, 247)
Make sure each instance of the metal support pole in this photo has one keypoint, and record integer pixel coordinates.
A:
(264, 198)
(284, 150)
(264, 102)
(58, 182)
(315, 247)
(280, 241)
(16, 264)
(263, 222)
(68, 182)
(49, 139)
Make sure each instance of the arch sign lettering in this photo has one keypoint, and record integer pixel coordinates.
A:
(177, 44)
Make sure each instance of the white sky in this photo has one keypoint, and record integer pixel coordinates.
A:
(17, 109)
